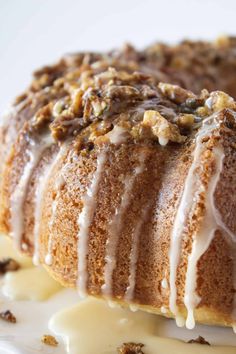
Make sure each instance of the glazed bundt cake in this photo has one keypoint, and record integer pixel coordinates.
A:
(124, 186)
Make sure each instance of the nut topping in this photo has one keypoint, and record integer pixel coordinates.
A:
(8, 316)
(8, 265)
(49, 340)
(130, 348)
(199, 340)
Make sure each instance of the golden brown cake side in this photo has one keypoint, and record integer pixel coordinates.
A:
(109, 187)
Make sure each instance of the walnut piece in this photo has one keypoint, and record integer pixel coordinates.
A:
(8, 265)
(199, 340)
(43, 116)
(130, 348)
(49, 340)
(161, 128)
(219, 100)
(175, 93)
(8, 316)
(186, 120)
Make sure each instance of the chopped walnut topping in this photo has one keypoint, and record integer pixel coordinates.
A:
(43, 116)
(203, 111)
(20, 98)
(121, 92)
(8, 316)
(215, 102)
(186, 120)
(58, 108)
(99, 131)
(175, 93)
(8, 265)
(98, 106)
(161, 128)
(130, 348)
(49, 340)
(199, 340)
(222, 41)
(77, 96)
(219, 100)
(120, 86)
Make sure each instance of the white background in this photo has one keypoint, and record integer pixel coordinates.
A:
(38, 32)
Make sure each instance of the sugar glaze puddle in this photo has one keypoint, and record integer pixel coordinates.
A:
(35, 317)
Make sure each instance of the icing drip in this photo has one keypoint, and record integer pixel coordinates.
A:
(117, 135)
(84, 222)
(115, 226)
(164, 283)
(42, 184)
(34, 152)
(133, 308)
(164, 310)
(134, 254)
(113, 304)
(212, 222)
(178, 228)
(176, 237)
(202, 241)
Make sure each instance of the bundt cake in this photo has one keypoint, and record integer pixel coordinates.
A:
(124, 186)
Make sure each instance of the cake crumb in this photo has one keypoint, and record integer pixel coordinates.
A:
(49, 340)
(130, 348)
(199, 340)
(8, 316)
(8, 265)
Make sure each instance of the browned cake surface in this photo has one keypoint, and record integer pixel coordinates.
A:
(78, 103)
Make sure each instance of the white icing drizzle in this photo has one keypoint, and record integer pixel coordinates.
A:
(164, 310)
(113, 304)
(133, 308)
(212, 222)
(42, 185)
(84, 222)
(34, 152)
(176, 235)
(202, 241)
(134, 254)
(116, 224)
(164, 283)
(117, 135)
(24, 246)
